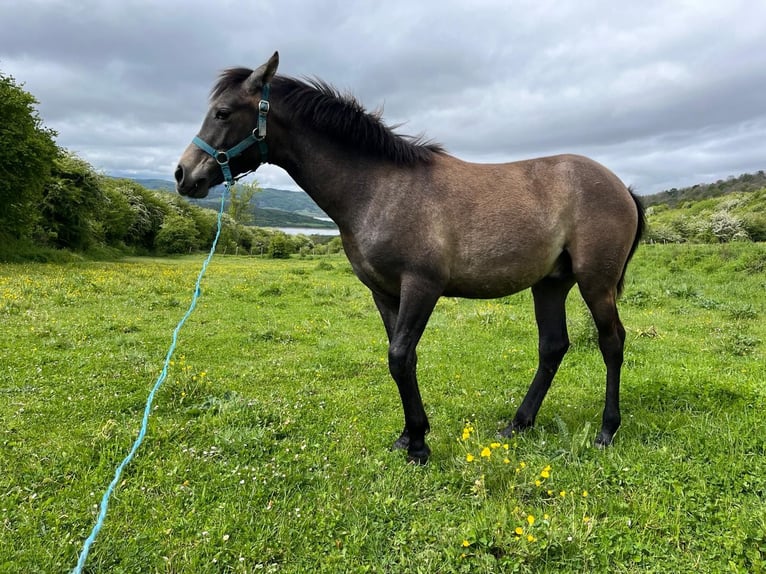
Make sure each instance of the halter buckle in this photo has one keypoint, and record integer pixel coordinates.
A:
(264, 106)
(221, 154)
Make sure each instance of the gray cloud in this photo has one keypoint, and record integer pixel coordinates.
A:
(664, 93)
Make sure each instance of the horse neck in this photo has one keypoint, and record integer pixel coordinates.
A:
(340, 183)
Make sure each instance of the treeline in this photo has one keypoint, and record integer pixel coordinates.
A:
(735, 216)
(746, 182)
(51, 200)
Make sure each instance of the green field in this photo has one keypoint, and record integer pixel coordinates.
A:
(268, 446)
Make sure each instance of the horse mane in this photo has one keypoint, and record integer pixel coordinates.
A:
(340, 115)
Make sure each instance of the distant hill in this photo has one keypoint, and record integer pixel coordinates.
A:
(273, 207)
(745, 183)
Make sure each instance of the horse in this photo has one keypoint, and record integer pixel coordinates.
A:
(418, 224)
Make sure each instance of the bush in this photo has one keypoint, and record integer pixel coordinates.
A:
(280, 246)
(177, 235)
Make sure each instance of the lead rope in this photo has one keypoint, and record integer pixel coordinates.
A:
(147, 410)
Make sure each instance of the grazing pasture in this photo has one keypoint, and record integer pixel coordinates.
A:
(268, 449)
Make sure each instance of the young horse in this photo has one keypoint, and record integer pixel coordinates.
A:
(417, 223)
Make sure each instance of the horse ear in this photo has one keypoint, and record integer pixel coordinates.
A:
(262, 75)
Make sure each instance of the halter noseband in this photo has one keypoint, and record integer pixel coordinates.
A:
(258, 136)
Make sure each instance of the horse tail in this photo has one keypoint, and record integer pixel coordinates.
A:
(640, 228)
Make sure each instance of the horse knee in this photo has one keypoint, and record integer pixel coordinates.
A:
(400, 361)
(551, 352)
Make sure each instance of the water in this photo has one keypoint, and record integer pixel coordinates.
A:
(308, 230)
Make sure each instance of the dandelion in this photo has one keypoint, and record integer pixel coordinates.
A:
(585, 519)
(469, 457)
(506, 460)
(550, 492)
(585, 493)
(563, 493)
(538, 483)
(495, 445)
(485, 452)
(546, 472)
(466, 544)
(531, 538)
(530, 520)
(522, 464)
(519, 530)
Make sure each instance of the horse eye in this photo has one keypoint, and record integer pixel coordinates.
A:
(222, 114)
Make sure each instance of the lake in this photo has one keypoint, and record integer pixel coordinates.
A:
(308, 230)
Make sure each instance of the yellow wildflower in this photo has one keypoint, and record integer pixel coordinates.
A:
(469, 457)
(485, 452)
(530, 520)
(530, 538)
(585, 493)
(519, 530)
(466, 544)
(495, 445)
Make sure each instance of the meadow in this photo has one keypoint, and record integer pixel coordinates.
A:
(268, 445)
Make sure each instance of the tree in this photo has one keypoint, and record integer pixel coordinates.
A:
(178, 234)
(280, 246)
(28, 150)
(240, 199)
(73, 202)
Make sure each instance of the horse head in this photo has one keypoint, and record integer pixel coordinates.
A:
(235, 120)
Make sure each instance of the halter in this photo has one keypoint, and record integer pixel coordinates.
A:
(258, 135)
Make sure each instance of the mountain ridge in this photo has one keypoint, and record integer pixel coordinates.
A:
(272, 207)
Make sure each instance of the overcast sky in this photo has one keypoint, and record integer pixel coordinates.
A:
(665, 93)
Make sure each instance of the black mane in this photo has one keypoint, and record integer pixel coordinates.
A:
(340, 115)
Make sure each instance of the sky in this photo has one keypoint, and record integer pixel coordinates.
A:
(665, 93)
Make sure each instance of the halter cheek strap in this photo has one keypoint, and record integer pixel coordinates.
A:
(258, 136)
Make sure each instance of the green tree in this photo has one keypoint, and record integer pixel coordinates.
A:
(148, 211)
(72, 203)
(27, 155)
(280, 246)
(241, 197)
(178, 234)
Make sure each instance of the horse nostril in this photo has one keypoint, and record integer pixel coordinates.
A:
(179, 174)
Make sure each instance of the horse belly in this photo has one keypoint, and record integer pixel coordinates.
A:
(497, 278)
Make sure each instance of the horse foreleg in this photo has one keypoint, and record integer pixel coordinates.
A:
(415, 305)
(553, 342)
(389, 311)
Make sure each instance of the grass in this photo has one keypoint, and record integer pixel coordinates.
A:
(268, 446)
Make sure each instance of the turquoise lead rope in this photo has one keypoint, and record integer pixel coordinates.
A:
(148, 409)
(258, 136)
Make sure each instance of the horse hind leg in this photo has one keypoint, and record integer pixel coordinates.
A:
(611, 341)
(553, 342)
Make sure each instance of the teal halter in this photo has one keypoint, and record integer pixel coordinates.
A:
(258, 136)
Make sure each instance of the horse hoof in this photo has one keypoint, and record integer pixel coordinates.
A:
(603, 440)
(402, 443)
(419, 458)
(512, 429)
